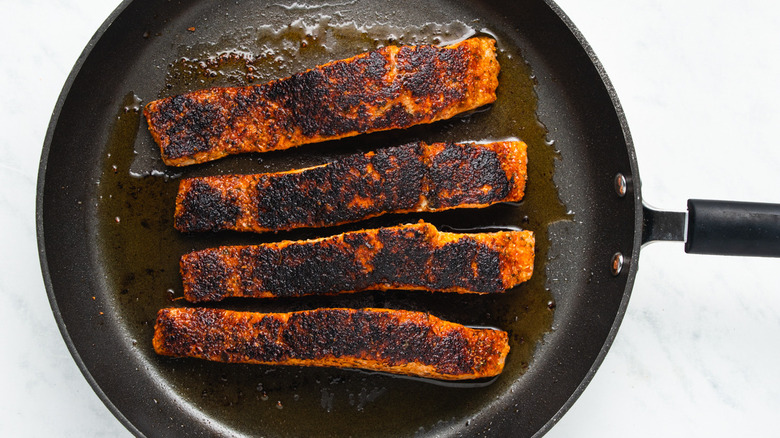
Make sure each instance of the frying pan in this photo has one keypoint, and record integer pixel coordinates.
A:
(130, 56)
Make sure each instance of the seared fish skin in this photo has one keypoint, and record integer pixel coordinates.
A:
(393, 341)
(390, 88)
(411, 178)
(414, 256)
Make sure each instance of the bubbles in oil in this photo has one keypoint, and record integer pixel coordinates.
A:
(134, 105)
(303, 6)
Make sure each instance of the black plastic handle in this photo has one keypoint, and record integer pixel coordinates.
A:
(733, 228)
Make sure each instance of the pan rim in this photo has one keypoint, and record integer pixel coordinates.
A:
(41, 182)
(631, 261)
(634, 189)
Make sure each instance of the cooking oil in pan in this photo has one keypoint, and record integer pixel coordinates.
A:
(266, 53)
(143, 249)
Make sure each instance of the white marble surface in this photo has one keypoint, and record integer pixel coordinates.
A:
(698, 353)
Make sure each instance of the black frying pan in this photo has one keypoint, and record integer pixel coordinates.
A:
(109, 254)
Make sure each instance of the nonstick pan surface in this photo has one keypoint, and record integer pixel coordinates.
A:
(109, 255)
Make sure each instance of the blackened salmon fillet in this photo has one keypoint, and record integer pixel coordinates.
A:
(415, 256)
(415, 177)
(390, 88)
(393, 341)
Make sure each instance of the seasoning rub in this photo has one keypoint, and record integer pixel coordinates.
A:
(390, 88)
(393, 341)
(416, 256)
(415, 177)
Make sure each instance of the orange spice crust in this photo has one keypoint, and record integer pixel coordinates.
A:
(416, 177)
(390, 88)
(413, 257)
(393, 341)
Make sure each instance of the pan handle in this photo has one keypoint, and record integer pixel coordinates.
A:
(718, 227)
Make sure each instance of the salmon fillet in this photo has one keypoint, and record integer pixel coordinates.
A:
(390, 88)
(417, 257)
(415, 177)
(393, 341)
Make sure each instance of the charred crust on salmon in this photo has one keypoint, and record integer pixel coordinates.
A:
(395, 341)
(416, 256)
(410, 178)
(389, 88)
(206, 207)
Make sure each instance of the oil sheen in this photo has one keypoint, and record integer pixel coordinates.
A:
(136, 202)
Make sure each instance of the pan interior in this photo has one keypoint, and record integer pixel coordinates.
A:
(111, 277)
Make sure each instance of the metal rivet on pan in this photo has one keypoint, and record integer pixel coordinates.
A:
(621, 186)
(617, 263)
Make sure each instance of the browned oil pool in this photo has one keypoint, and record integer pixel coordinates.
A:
(136, 199)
